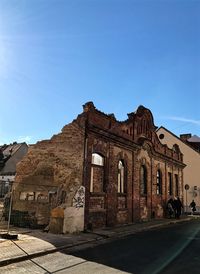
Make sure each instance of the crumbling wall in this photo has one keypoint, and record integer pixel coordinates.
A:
(50, 175)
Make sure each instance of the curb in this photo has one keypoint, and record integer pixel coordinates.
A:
(120, 234)
(42, 253)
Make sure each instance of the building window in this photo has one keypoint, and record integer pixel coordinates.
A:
(97, 159)
(143, 180)
(161, 136)
(170, 189)
(27, 196)
(159, 182)
(97, 173)
(176, 185)
(121, 179)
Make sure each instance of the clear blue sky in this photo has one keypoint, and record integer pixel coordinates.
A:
(55, 55)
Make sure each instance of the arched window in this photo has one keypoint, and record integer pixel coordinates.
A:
(121, 180)
(176, 185)
(143, 180)
(159, 182)
(97, 173)
(97, 159)
(170, 184)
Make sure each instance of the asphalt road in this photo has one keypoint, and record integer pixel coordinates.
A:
(169, 250)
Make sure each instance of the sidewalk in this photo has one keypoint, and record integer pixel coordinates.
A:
(34, 243)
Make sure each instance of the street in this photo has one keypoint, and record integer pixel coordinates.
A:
(168, 250)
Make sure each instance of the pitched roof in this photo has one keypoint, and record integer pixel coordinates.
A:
(194, 139)
(10, 155)
(185, 143)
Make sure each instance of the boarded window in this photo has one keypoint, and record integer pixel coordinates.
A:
(97, 173)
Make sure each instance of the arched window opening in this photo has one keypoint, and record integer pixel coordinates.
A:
(170, 185)
(143, 180)
(97, 159)
(159, 182)
(121, 179)
(176, 185)
(97, 173)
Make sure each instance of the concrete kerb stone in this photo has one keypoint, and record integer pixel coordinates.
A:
(42, 253)
(101, 237)
(135, 228)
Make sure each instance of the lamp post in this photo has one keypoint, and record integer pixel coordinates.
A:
(186, 189)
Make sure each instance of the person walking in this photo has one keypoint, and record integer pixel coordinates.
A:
(170, 208)
(178, 207)
(193, 206)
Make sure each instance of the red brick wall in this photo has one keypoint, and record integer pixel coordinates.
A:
(113, 140)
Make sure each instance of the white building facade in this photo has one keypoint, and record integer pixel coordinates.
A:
(191, 173)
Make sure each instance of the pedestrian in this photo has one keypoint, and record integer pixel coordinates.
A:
(170, 207)
(193, 206)
(178, 207)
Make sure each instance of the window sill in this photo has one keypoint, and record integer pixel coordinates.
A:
(97, 210)
(100, 194)
(122, 209)
(121, 194)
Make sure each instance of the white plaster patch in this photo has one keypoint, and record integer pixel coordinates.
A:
(73, 220)
(74, 216)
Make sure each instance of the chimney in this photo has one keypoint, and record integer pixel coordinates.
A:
(185, 137)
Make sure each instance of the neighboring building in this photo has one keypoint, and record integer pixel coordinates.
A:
(189, 146)
(193, 141)
(97, 172)
(10, 155)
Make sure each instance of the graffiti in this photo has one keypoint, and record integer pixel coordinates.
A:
(79, 198)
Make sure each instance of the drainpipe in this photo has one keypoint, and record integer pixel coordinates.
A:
(151, 186)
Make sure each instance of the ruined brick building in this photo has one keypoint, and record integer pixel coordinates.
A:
(98, 172)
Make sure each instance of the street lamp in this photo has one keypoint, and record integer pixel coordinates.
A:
(186, 189)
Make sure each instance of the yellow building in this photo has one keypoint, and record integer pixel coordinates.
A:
(191, 173)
